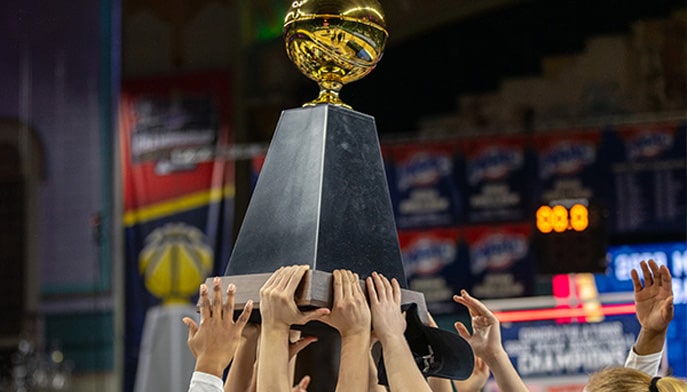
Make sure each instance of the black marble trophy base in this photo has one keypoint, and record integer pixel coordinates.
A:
(321, 199)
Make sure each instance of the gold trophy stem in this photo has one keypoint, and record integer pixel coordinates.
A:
(329, 93)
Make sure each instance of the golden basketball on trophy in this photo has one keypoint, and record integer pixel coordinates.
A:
(334, 42)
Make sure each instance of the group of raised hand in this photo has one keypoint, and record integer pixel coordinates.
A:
(262, 356)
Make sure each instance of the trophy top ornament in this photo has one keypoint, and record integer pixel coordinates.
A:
(334, 42)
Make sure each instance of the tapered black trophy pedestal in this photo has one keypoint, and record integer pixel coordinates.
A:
(321, 199)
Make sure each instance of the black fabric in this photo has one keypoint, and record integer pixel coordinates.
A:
(438, 353)
(653, 387)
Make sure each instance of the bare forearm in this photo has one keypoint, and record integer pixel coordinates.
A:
(504, 373)
(273, 369)
(353, 373)
(650, 342)
(401, 370)
(209, 367)
(440, 384)
(241, 370)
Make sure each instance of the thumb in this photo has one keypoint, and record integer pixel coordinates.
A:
(192, 327)
(300, 344)
(462, 330)
(303, 384)
(668, 308)
(315, 314)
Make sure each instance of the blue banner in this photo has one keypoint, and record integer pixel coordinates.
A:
(496, 180)
(648, 178)
(422, 178)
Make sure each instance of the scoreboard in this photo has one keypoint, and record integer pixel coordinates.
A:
(570, 236)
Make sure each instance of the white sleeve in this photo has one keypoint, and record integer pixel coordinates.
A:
(203, 382)
(647, 363)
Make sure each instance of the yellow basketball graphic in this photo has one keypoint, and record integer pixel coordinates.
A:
(175, 261)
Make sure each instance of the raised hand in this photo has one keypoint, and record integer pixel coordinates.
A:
(350, 312)
(277, 304)
(486, 343)
(385, 307)
(653, 299)
(351, 317)
(389, 325)
(213, 342)
(279, 311)
(486, 329)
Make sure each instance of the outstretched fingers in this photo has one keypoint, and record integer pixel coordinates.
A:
(296, 277)
(347, 277)
(228, 307)
(396, 288)
(371, 290)
(337, 280)
(462, 330)
(192, 327)
(356, 287)
(204, 303)
(466, 300)
(646, 272)
(217, 298)
(636, 282)
(244, 316)
(475, 307)
(666, 281)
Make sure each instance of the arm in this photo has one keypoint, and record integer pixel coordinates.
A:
(389, 324)
(440, 384)
(279, 311)
(477, 380)
(243, 371)
(654, 306)
(214, 341)
(373, 385)
(240, 377)
(655, 309)
(296, 344)
(351, 317)
(486, 342)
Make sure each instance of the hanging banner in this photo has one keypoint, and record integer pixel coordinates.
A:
(424, 185)
(648, 178)
(496, 179)
(568, 165)
(432, 263)
(500, 260)
(178, 205)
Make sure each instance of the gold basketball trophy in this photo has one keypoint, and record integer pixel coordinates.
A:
(322, 197)
(335, 42)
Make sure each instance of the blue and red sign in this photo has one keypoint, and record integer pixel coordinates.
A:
(431, 260)
(496, 180)
(500, 260)
(423, 186)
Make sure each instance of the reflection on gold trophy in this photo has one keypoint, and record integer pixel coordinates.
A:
(334, 42)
